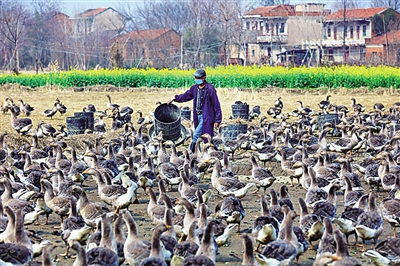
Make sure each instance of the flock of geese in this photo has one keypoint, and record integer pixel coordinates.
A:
(347, 172)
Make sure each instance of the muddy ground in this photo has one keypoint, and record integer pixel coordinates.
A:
(145, 100)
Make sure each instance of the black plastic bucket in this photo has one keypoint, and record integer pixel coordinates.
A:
(89, 118)
(76, 125)
(167, 118)
(240, 111)
(233, 130)
(186, 114)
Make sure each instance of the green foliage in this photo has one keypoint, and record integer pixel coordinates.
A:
(253, 77)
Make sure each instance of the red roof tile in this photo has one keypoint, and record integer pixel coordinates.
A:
(358, 13)
(92, 12)
(144, 35)
(393, 38)
(273, 11)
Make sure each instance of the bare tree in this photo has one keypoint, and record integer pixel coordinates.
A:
(395, 4)
(13, 18)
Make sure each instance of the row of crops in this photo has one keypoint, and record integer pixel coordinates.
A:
(225, 77)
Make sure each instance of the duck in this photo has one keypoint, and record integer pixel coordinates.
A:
(228, 185)
(22, 125)
(262, 177)
(135, 249)
(370, 223)
(231, 210)
(311, 224)
(265, 227)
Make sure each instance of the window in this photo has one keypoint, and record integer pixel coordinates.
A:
(329, 32)
(335, 33)
(358, 32)
(364, 30)
(261, 26)
(266, 27)
(277, 28)
(351, 32)
(345, 31)
(282, 29)
(330, 55)
(253, 53)
(247, 25)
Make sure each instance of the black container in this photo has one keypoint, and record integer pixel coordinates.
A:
(233, 130)
(167, 118)
(89, 116)
(186, 113)
(76, 125)
(240, 111)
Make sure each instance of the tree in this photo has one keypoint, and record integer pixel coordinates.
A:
(13, 18)
(395, 4)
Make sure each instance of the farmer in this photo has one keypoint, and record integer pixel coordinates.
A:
(206, 107)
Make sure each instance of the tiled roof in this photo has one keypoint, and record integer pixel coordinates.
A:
(393, 38)
(272, 11)
(144, 35)
(92, 12)
(358, 13)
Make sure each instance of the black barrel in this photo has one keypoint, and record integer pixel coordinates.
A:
(89, 118)
(233, 130)
(186, 114)
(167, 118)
(76, 125)
(240, 111)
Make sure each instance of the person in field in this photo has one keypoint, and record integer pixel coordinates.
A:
(207, 113)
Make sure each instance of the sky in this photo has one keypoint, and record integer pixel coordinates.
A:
(72, 7)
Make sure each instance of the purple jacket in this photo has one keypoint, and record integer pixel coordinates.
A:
(211, 110)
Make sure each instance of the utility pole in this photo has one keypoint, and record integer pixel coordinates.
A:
(386, 39)
(344, 32)
(181, 51)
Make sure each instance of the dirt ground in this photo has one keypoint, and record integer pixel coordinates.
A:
(145, 100)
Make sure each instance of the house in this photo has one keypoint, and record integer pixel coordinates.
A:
(275, 33)
(159, 48)
(345, 33)
(383, 49)
(99, 20)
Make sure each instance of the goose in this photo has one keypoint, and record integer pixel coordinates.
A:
(111, 106)
(369, 223)
(387, 252)
(351, 196)
(170, 173)
(208, 247)
(262, 177)
(286, 248)
(228, 185)
(95, 256)
(287, 166)
(348, 219)
(50, 112)
(3, 148)
(9, 201)
(231, 210)
(324, 105)
(390, 209)
(74, 227)
(314, 194)
(325, 259)
(189, 217)
(327, 209)
(90, 108)
(278, 103)
(61, 108)
(21, 125)
(135, 250)
(265, 227)
(58, 204)
(357, 108)
(275, 208)
(45, 129)
(90, 211)
(311, 224)
(248, 255)
(26, 108)
(327, 242)
(77, 167)
(342, 251)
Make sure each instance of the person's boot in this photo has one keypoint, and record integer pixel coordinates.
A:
(192, 146)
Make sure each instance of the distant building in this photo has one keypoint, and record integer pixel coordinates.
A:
(99, 20)
(345, 33)
(157, 48)
(383, 49)
(275, 34)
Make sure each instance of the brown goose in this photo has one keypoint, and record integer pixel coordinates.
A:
(3, 148)
(58, 204)
(391, 212)
(21, 125)
(287, 166)
(311, 224)
(9, 201)
(261, 176)
(231, 210)
(387, 252)
(327, 243)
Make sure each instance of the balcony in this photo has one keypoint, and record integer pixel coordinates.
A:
(281, 38)
(339, 43)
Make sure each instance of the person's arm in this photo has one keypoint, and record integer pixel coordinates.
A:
(184, 97)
